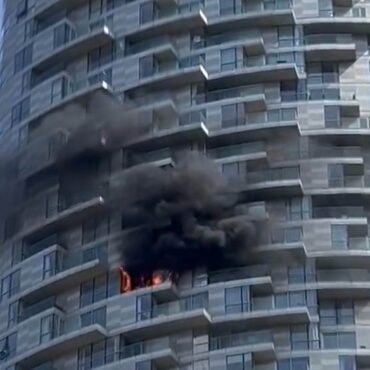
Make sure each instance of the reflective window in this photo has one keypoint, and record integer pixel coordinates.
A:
(98, 316)
(339, 236)
(237, 299)
(228, 59)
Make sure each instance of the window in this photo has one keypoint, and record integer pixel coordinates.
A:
(58, 90)
(98, 288)
(343, 340)
(98, 316)
(232, 115)
(22, 8)
(146, 66)
(101, 56)
(297, 209)
(285, 36)
(29, 30)
(10, 284)
(239, 362)
(147, 12)
(237, 299)
(26, 81)
(13, 314)
(52, 264)
(144, 305)
(23, 58)
(16, 253)
(335, 175)
(62, 35)
(96, 354)
(332, 116)
(8, 347)
(20, 111)
(94, 229)
(347, 363)
(339, 236)
(227, 7)
(298, 363)
(144, 365)
(325, 8)
(299, 337)
(300, 274)
(337, 312)
(291, 299)
(50, 328)
(228, 59)
(288, 235)
(95, 8)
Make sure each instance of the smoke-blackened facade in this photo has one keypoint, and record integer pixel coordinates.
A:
(184, 185)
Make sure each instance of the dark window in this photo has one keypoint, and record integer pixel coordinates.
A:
(20, 111)
(22, 9)
(147, 12)
(239, 362)
(62, 35)
(144, 305)
(58, 90)
(299, 337)
(95, 8)
(299, 363)
(232, 115)
(343, 340)
(13, 313)
(291, 299)
(146, 66)
(335, 175)
(29, 30)
(8, 347)
(98, 316)
(237, 299)
(95, 229)
(347, 363)
(10, 284)
(50, 328)
(26, 81)
(52, 264)
(339, 236)
(96, 354)
(337, 312)
(228, 59)
(332, 116)
(227, 7)
(23, 58)
(101, 56)
(144, 365)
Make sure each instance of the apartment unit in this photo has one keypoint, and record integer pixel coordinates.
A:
(276, 92)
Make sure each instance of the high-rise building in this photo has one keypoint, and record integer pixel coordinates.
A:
(277, 92)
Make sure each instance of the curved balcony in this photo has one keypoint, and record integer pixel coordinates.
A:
(168, 317)
(161, 352)
(240, 129)
(76, 42)
(253, 97)
(245, 318)
(173, 18)
(43, 8)
(48, 213)
(275, 182)
(253, 15)
(261, 344)
(178, 129)
(66, 334)
(171, 74)
(278, 252)
(354, 20)
(262, 68)
(326, 47)
(239, 152)
(63, 270)
(76, 91)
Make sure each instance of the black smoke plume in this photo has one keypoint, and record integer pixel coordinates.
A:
(181, 218)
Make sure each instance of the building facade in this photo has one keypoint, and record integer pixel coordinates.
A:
(277, 93)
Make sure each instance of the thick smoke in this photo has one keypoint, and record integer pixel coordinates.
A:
(181, 218)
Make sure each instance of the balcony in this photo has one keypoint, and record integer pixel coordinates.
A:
(45, 214)
(172, 18)
(326, 47)
(41, 154)
(171, 74)
(66, 271)
(240, 129)
(253, 15)
(162, 352)
(271, 182)
(260, 344)
(239, 152)
(43, 8)
(338, 212)
(351, 19)
(75, 42)
(257, 69)
(253, 97)
(63, 338)
(75, 90)
(165, 318)
(179, 129)
(276, 252)
(246, 318)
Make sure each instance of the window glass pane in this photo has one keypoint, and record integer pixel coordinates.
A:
(228, 59)
(330, 340)
(234, 362)
(146, 66)
(339, 237)
(297, 299)
(146, 12)
(347, 363)
(347, 340)
(99, 316)
(281, 300)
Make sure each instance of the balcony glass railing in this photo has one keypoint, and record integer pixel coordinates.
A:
(58, 262)
(343, 275)
(348, 123)
(315, 39)
(319, 93)
(199, 301)
(274, 174)
(318, 153)
(240, 339)
(338, 212)
(238, 274)
(237, 149)
(246, 8)
(167, 12)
